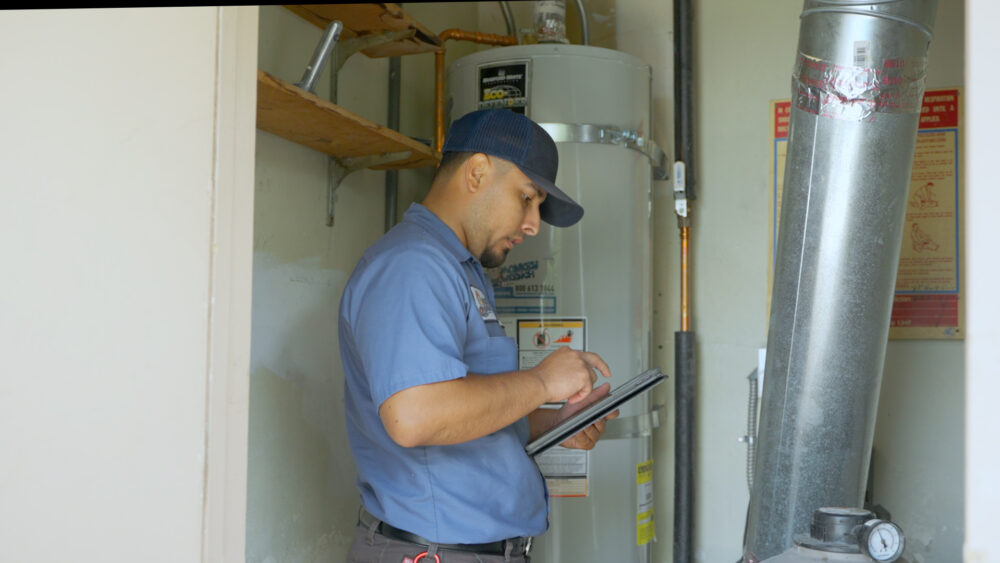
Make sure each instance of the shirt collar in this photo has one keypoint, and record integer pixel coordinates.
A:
(425, 218)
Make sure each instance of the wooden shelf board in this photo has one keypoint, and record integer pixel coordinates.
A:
(301, 117)
(367, 19)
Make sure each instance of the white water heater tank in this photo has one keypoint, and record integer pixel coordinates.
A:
(587, 286)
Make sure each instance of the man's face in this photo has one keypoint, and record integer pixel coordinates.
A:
(508, 213)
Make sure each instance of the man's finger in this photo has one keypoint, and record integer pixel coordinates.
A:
(579, 395)
(595, 361)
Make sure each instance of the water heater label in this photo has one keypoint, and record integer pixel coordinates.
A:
(566, 472)
(504, 86)
(645, 529)
(537, 338)
(525, 287)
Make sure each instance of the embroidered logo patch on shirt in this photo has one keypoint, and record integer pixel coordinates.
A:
(483, 304)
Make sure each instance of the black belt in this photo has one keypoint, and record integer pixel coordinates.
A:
(518, 546)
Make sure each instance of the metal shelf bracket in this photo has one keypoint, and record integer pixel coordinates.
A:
(339, 168)
(327, 48)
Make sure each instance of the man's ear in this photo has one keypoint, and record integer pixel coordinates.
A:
(477, 168)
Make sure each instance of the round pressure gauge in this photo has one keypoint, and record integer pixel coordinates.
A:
(883, 541)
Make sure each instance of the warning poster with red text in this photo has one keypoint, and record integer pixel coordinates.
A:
(928, 302)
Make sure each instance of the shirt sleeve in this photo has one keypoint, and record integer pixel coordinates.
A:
(409, 322)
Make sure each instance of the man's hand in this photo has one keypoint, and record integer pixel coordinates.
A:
(587, 438)
(568, 374)
(544, 418)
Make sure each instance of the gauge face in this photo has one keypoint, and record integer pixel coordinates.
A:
(885, 541)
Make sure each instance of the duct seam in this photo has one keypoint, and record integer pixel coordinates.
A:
(854, 93)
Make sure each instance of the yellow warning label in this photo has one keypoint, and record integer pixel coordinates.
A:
(645, 527)
(644, 472)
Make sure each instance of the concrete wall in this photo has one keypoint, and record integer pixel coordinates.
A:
(301, 499)
(125, 162)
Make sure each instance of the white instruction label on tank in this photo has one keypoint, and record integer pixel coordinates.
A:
(566, 471)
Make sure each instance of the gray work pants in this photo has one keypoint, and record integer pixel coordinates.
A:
(372, 547)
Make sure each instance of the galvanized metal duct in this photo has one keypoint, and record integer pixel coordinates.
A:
(856, 97)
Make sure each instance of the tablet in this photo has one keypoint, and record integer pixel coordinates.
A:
(580, 420)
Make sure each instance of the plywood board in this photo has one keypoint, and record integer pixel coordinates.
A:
(372, 19)
(306, 119)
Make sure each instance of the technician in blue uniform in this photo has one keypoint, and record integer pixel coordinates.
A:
(438, 413)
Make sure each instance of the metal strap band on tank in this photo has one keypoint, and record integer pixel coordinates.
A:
(856, 93)
(638, 426)
(610, 135)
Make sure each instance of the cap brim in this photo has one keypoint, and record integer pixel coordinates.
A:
(558, 209)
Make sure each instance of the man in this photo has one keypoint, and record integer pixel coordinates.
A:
(437, 412)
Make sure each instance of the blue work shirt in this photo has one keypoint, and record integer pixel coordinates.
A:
(419, 309)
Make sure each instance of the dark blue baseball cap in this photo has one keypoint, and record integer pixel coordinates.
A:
(521, 141)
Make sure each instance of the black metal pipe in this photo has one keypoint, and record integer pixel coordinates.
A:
(684, 340)
(684, 435)
(684, 92)
(392, 120)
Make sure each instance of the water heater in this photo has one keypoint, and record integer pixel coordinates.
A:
(587, 286)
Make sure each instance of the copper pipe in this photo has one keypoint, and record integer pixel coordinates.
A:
(438, 100)
(457, 35)
(685, 316)
(476, 37)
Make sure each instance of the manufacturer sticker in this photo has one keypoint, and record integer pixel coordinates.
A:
(504, 86)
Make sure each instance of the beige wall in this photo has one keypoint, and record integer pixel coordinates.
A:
(125, 174)
(301, 500)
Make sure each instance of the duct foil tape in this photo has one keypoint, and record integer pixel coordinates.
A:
(856, 93)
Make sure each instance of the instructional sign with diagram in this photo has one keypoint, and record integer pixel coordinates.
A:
(928, 301)
(566, 471)
(537, 338)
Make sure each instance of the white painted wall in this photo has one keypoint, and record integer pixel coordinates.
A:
(123, 167)
(125, 216)
(982, 355)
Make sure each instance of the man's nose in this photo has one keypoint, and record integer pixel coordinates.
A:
(532, 221)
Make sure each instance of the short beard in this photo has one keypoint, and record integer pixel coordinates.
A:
(492, 259)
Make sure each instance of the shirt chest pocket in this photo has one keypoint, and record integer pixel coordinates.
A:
(491, 354)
